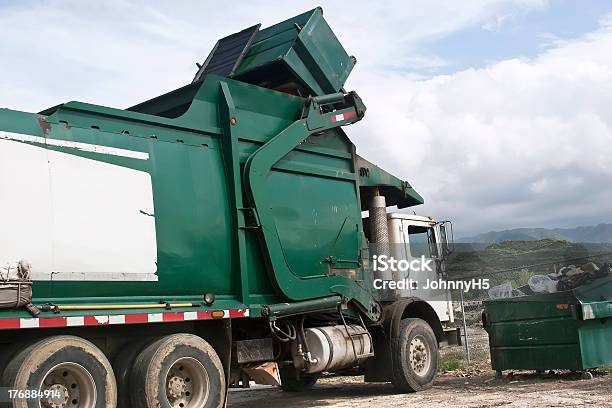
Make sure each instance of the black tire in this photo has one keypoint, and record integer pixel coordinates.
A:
(161, 363)
(122, 365)
(294, 381)
(413, 374)
(59, 359)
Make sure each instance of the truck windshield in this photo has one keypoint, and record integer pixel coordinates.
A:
(422, 241)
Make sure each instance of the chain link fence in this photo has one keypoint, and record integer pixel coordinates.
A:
(473, 353)
(512, 268)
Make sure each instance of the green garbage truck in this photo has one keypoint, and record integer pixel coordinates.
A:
(222, 233)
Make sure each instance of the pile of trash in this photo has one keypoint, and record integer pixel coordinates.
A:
(567, 278)
(15, 284)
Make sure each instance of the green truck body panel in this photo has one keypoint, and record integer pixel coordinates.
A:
(257, 193)
(374, 176)
(564, 330)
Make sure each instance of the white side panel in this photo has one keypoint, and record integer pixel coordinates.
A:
(74, 218)
(25, 211)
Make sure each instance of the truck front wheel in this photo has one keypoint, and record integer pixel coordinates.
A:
(415, 356)
(177, 371)
(67, 371)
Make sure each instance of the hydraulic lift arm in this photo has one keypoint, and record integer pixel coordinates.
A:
(342, 109)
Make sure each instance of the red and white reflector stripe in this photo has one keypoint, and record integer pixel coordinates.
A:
(343, 116)
(103, 320)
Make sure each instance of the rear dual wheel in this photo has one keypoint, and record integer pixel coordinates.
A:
(177, 371)
(68, 371)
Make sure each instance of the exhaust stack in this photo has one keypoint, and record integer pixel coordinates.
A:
(379, 236)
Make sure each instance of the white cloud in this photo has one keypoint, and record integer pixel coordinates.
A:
(496, 20)
(518, 143)
(120, 52)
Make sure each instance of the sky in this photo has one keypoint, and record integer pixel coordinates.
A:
(497, 112)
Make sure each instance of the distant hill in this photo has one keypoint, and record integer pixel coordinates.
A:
(481, 258)
(595, 233)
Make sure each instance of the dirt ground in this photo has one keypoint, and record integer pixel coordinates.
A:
(459, 384)
(450, 390)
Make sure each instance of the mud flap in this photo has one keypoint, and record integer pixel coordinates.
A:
(220, 338)
(452, 337)
(378, 368)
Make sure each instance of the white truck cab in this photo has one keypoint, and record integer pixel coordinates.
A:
(416, 237)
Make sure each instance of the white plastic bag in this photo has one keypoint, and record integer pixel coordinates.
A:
(15, 271)
(502, 291)
(542, 284)
(15, 284)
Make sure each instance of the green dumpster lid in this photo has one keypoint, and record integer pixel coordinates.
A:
(595, 299)
(592, 301)
(303, 49)
(300, 56)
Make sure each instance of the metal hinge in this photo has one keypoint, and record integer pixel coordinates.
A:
(251, 218)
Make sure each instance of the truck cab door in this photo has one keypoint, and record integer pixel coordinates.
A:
(424, 242)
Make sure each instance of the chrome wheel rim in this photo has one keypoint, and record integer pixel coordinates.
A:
(420, 355)
(68, 385)
(187, 384)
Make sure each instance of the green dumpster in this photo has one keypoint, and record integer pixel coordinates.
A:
(564, 330)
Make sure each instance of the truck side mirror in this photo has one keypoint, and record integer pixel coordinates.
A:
(447, 238)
